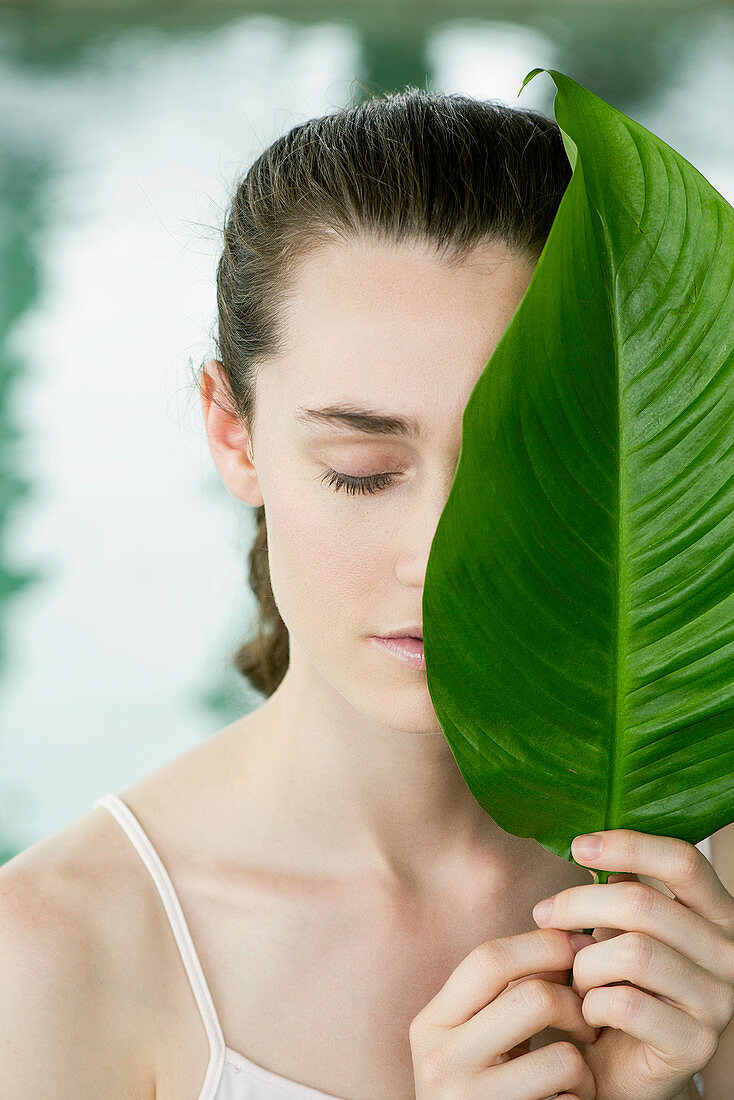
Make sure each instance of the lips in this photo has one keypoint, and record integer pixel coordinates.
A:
(406, 632)
(413, 645)
(405, 648)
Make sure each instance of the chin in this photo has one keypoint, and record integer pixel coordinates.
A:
(407, 708)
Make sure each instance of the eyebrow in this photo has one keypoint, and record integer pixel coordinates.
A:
(360, 419)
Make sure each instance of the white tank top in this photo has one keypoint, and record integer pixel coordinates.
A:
(229, 1075)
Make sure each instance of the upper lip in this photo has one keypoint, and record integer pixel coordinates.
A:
(405, 632)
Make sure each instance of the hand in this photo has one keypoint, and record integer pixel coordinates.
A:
(674, 958)
(472, 1041)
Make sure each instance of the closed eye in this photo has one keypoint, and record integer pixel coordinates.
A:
(371, 484)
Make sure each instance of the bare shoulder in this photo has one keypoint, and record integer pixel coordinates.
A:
(70, 949)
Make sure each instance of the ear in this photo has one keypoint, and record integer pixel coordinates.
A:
(229, 440)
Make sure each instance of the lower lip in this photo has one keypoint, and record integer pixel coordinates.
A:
(409, 650)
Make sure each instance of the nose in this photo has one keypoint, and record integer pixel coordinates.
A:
(418, 528)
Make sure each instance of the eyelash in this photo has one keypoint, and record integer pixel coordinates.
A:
(355, 485)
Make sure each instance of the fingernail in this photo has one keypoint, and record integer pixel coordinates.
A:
(578, 941)
(586, 847)
(542, 910)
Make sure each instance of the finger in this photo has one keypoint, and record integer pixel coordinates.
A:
(579, 940)
(672, 1038)
(558, 976)
(601, 933)
(658, 969)
(556, 1068)
(518, 1014)
(637, 907)
(681, 866)
(485, 972)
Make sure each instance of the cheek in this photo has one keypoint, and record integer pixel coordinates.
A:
(324, 553)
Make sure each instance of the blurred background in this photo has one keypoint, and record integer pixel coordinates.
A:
(123, 559)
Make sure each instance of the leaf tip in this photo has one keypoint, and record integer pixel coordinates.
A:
(530, 76)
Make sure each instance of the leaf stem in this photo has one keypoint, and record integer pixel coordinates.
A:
(600, 877)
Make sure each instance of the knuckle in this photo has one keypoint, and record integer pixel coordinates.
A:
(644, 901)
(633, 849)
(433, 1067)
(490, 955)
(423, 1036)
(627, 1002)
(552, 941)
(629, 845)
(566, 1057)
(539, 995)
(416, 1030)
(687, 860)
(636, 949)
(727, 1004)
(705, 1044)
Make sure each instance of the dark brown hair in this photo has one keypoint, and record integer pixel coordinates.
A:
(412, 166)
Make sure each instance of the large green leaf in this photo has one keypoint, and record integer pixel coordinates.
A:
(578, 608)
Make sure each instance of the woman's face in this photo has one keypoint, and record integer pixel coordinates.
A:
(389, 330)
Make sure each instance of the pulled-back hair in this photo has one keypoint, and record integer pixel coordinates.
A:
(407, 167)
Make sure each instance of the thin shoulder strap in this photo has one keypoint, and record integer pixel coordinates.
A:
(130, 824)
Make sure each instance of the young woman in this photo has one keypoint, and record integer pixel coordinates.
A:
(311, 903)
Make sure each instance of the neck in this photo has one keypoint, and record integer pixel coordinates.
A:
(345, 793)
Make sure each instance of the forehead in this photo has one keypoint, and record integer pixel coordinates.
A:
(371, 288)
(393, 328)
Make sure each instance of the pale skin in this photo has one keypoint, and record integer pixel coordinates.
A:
(358, 564)
(365, 927)
(372, 784)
